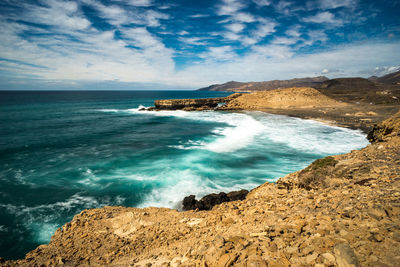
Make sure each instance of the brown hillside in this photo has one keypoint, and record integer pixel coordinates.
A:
(267, 85)
(356, 90)
(301, 97)
(391, 78)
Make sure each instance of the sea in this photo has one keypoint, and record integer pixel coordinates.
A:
(65, 151)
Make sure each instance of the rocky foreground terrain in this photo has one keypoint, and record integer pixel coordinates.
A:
(341, 210)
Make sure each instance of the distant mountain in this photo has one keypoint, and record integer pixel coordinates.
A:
(391, 78)
(233, 86)
(228, 86)
(355, 90)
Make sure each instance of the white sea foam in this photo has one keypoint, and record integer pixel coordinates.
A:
(311, 136)
(234, 138)
(178, 184)
(242, 128)
(44, 231)
(239, 133)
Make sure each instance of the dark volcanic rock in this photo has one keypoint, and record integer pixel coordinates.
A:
(189, 203)
(237, 195)
(209, 201)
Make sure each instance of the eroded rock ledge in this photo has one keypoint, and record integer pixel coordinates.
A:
(343, 210)
(193, 104)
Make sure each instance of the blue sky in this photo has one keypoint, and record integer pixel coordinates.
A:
(182, 44)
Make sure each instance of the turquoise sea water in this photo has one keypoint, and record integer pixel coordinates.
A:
(62, 152)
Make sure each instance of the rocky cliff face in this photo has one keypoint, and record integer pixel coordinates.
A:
(342, 210)
(192, 104)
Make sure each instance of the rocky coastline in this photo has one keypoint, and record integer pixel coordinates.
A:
(335, 108)
(343, 210)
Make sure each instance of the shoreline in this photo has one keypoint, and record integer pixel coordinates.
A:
(259, 229)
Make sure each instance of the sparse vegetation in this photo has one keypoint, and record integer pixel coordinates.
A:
(324, 162)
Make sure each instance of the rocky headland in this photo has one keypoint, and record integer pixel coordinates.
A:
(192, 104)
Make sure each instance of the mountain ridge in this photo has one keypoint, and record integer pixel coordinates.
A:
(234, 86)
(315, 82)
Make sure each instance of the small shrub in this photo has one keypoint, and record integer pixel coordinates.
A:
(324, 162)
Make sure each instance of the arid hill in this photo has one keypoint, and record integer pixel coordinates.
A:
(353, 90)
(391, 78)
(268, 85)
(300, 97)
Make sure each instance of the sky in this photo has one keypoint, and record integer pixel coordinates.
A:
(184, 44)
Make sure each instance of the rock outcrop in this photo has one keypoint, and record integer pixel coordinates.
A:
(385, 130)
(193, 104)
(209, 201)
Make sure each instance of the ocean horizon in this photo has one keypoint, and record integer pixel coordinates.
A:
(65, 151)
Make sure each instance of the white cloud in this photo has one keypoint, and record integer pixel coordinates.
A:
(314, 36)
(283, 7)
(323, 17)
(62, 14)
(244, 17)
(90, 56)
(235, 27)
(265, 28)
(279, 62)
(219, 53)
(143, 3)
(294, 31)
(153, 18)
(193, 40)
(229, 7)
(285, 40)
(262, 2)
(231, 36)
(272, 51)
(382, 70)
(331, 4)
(119, 16)
(199, 16)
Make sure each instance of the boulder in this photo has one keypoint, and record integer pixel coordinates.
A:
(345, 256)
(209, 201)
(189, 203)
